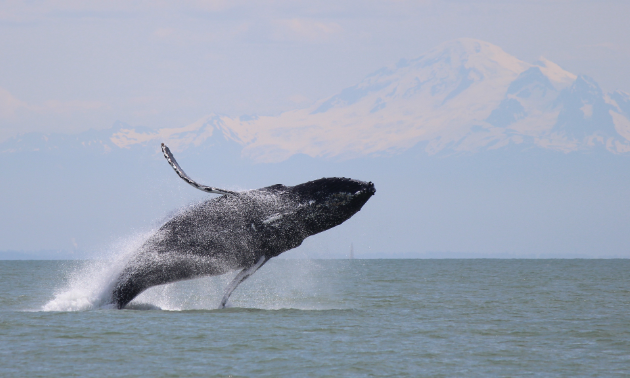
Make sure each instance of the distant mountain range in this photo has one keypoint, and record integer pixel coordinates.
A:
(464, 96)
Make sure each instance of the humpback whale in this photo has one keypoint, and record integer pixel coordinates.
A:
(238, 230)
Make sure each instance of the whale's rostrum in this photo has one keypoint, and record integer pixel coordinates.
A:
(238, 230)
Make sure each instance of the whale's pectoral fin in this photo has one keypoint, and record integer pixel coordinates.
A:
(242, 276)
(180, 172)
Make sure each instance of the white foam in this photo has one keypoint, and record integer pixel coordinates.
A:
(91, 284)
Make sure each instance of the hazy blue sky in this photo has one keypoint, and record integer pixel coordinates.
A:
(72, 65)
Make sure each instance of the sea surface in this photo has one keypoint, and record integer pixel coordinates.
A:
(324, 318)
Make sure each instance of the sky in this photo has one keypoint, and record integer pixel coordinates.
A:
(68, 66)
(71, 66)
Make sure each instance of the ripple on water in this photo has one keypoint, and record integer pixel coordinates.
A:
(335, 318)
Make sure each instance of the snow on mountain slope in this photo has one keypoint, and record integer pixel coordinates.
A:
(435, 98)
(462, 97)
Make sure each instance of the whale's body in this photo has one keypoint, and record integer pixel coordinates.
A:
(239, 230)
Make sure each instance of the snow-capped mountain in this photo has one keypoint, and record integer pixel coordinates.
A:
(463, 96)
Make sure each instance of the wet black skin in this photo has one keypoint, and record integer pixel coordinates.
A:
(235, 230)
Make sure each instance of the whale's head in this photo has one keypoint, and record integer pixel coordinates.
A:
(328, 202)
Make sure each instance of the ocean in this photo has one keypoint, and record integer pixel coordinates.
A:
(324, 318)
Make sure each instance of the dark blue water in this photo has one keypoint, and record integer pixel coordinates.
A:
(303, 318)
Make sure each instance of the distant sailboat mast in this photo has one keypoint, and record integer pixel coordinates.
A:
(351, 252)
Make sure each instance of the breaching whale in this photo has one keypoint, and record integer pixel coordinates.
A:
(238, 230)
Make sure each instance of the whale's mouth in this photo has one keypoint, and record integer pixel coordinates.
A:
(367, 191)
(370, 188)
(364, 195)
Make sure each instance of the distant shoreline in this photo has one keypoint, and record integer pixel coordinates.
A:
(81, 256)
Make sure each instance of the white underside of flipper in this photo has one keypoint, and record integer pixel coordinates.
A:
(242, 276)
(180, 172)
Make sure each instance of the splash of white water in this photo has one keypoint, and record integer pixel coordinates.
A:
(91, 284)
